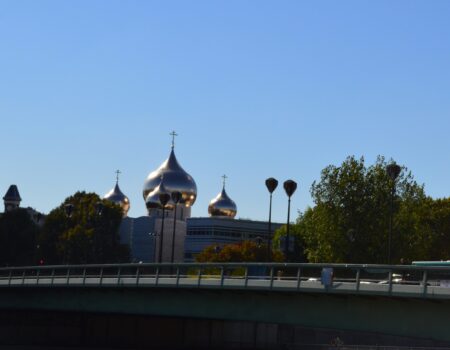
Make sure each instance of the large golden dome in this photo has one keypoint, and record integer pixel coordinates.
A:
(116, 196)
(222, 205)
(175, 179)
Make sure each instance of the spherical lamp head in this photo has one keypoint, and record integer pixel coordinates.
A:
(176, 197)
(351, 235)
(393, 171)
(164, 198)
(290, 186)
(99, 206)
(271, 184)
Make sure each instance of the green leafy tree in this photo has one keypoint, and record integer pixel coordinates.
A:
(350, 219)
(245, 251)
(85, 236)
(298, 251)
(435, 226)
(18, 234)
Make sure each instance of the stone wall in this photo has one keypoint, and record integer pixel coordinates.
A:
(115, 331)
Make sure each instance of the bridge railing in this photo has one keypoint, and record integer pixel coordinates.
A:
(406, 280)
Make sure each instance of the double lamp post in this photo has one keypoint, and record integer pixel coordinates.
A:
(289, 186)
(164, 198)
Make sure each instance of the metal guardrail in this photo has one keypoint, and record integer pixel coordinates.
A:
(395, 280)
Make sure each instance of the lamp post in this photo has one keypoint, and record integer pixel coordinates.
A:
(153, 235)
(68, 211)
(99, 206)
(164, 198)
(258, 241)
(393, 171)
(176, 198)
(271, 184)
(289, 186)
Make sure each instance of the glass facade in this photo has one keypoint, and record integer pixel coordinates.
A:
(203, 232)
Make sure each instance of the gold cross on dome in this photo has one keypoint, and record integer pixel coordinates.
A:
(117, 175)
(224, 177)
(173, 134)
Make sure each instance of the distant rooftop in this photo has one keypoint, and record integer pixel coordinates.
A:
(12, 194)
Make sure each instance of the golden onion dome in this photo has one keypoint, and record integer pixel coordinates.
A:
(175, 179)
(153, 199)
(222, 205)
(116, 196)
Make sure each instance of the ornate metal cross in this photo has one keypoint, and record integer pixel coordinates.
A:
(224, 177)
(173, 134)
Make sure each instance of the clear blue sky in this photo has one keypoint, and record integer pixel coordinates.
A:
(254, 89)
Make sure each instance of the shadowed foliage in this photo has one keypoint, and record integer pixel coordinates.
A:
(87, 236)
(18, 234)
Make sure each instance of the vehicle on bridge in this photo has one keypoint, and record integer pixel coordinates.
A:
(440, 278)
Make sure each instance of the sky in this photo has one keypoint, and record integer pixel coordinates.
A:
(255, 89)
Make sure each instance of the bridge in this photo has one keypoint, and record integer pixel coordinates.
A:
(247, 305)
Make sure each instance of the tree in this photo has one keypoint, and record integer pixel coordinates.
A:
(435, 225)
(245, 251)
(350, 219)
(298, 253)
(85, 236)
(18, 235)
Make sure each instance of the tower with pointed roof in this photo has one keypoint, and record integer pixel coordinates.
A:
(12, 198)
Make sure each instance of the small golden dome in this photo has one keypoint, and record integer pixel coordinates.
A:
(153, 199)
(116, 196)
(222, 205)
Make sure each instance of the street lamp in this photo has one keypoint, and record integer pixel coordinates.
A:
(99, 206)
(164, 198)
(393, 171)
(98, 251)
(289, 186)
(271, 184)
(176, 198)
